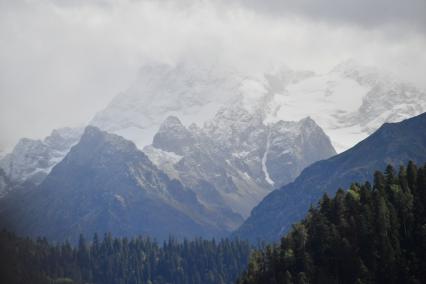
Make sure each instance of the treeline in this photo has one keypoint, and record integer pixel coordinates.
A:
(369, 234)
(119, 260)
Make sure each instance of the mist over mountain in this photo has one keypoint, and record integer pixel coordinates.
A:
(230, 136)
(159, 141)
(348, 103)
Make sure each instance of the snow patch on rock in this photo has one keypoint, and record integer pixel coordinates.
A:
(264, 159)
(32, 160)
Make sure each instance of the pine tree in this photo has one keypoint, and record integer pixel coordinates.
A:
(365, 235)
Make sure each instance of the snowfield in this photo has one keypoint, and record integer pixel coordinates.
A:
(349, 102)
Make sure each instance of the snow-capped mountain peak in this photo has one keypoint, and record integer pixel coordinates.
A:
(348, 103)
(235, 156)
(31, 160)
(171, 123)
(191, 91)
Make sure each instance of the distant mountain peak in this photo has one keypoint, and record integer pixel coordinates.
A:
(105, 184)
(31, 160)
(172, 135)
(392, 143)
(235, 158)
(171, 122)
(94, 134)
(349, 102)
(98, 146)
(308, 121)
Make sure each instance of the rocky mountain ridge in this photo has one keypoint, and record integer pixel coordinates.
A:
(105, 184)
(393, 143)
(348, 103)
(31, 160)
(235, 159)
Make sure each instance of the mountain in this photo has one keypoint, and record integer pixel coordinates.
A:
(105, 184)
(6, 184)
(187, 89)
(235, 136)
(234, 160)
(373, 233)
(32, 160)
(349, 102)
(393, 143)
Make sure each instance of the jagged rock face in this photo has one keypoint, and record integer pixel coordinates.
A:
(235, 159)
(28, 160)
(5, 184)
(387, 99)
(105, 184)
(348, 103)
(294, 146)
(394, 143)
(252, 135)
(173, 136)
(31, 160)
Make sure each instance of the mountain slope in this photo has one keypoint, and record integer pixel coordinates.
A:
(5, 183)
(393, 143)
(233, 161)
(32, 160)
(373, 233)
(103, 185)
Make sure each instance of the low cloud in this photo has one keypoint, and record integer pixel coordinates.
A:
(61, 61)
(364, 13)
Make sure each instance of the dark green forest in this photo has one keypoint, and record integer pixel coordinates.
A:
(119, 260)
(368, 234)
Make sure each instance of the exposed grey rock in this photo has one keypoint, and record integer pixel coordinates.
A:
(31, 160)
(105, 184)
(393, 143)
(5, 184)
(234, 160)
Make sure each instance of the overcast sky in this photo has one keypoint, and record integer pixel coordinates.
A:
(61, 61)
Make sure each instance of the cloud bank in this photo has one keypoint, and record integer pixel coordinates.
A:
(409, 14)
(61, 61)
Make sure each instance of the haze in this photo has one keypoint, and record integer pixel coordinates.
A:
(62, 61)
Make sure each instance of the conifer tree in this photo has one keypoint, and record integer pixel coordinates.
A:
(365, 235)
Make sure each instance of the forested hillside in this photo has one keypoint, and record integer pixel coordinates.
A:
(116, 260)
(369, 234)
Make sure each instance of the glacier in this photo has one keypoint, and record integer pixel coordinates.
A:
(349, 102)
